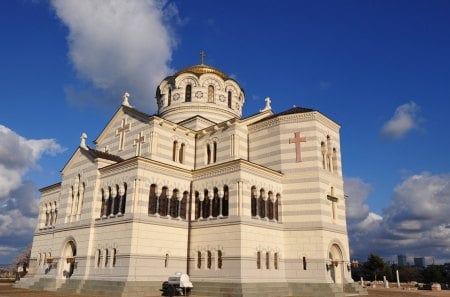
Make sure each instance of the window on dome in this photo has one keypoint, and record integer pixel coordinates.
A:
(210, 93)
(229, 99)
(169, 97)
(181, 153)
(188, 93)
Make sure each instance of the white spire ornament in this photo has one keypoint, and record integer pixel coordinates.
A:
(125, 100)
(268, 107)
(83, 141)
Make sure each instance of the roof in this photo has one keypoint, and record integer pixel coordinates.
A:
(201, 69)
(293, 110)
(102, 155)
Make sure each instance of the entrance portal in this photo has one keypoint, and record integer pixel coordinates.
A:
(68, 259)
(337, 264)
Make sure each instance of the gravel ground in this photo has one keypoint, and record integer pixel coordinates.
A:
(6, 290)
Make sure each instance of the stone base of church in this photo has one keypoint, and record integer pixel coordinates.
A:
(203, 289)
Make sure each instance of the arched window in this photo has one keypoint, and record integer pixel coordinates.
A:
(183, 205)
(225, 201)
(261, 204)
(163, 202)
(275, 261)
(253, 201)
(181, 154)
(323, 150)
(216, 203)
(267, 260)
(206, 205)
(197, 205)
(123, 198)
(199, 259)
(219, 259)
(277, 207)
(304, 263)
(214, 152)
(258, 260)
(106, 258)
(109, 202)
(210, 93)
(328, 157)
(114, 255)
(174, 204)
(208, 154)
(152, 201)
(166, 261)
(188, 93)
(116, 201)
(229, 99)
(169, 97)
(174, 150)
(270, 205)
(209, 260)
(99, 257)
(335, 164)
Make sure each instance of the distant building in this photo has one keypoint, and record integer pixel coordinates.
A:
(402, 260)
(419, 262)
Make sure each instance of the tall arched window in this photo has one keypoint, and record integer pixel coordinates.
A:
(208, 154)
(219, 259)
(183, 205)
(225, 201)
(304, 263)
(181, 153)
(210, 93)
(174, 204)
(216, 203)
(99, 257)
(277, 207)
(275, 260)
(169, 97)
(114, 255)
(209, 260)
(163, 202)
(229, 99)
(261, 204)
(214, 152)
(109, 203)
(197, 205)
(335, 160)
(166, 261)
(123, 198)
(267, 260)
(106, 258)
(174, 150)
(188, 93)
(258, 260)
(253, 201)
(199, 259)
(270, 205)
(152, 201)
(116, 201)
(323, 150)
(206, 205)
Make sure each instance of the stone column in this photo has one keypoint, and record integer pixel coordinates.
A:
(211, 197)
(158, 193)
(220, 193)
(169, 199)
(201, 198)
(179, 197)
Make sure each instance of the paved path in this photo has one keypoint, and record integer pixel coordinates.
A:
(6, 290)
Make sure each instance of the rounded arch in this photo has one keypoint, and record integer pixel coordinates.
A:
(68, 257)
(336, 262)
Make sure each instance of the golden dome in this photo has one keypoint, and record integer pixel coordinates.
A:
(201, 69)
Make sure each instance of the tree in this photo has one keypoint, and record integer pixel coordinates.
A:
(22, 259)
(375, 265)
(434, 274)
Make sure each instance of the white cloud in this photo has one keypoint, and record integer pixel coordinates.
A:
(18, 155)
(7, 250)
(405, 119)
(118, 46)
(416, 222)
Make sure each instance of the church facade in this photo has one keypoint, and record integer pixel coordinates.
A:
(246, 206)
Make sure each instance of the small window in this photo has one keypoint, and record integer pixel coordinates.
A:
(188, 93)
(169, 97)
(114, 255)
(267, 260)
(209, 260)
(211, 93)
(258, 260)
(219, 259)
(106, 258)
(166, 261)
(174, 151)
(199, 260)
(181, 153)
(304, 263)
(99, 257)
(229, 99)
(275, 260)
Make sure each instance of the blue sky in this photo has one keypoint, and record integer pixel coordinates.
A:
(381, 69)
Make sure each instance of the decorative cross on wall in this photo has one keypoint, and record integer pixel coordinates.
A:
(297, 140)
(121, 132)
(138, 142)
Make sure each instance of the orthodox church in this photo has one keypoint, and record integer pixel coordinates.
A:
(246, 207)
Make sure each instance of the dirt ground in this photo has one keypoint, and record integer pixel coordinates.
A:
(6, 290)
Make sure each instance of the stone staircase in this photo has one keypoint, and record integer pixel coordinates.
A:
(354, 289)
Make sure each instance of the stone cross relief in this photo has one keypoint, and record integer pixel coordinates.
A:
(125, 127)
(138, 143)
(297, 140)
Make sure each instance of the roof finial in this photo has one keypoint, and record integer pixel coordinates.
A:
(125, 99)
(268, 107)
(83, 141)
(202, 57)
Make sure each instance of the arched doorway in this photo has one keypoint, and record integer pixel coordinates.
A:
(336, 264)
(68, 258)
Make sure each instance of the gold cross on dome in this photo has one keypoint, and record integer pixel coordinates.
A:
(202, 57)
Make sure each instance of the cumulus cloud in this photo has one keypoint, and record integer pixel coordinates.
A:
(405, 119)
(118, 46)
(418, 214)
(18, 201)
(18, 155)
